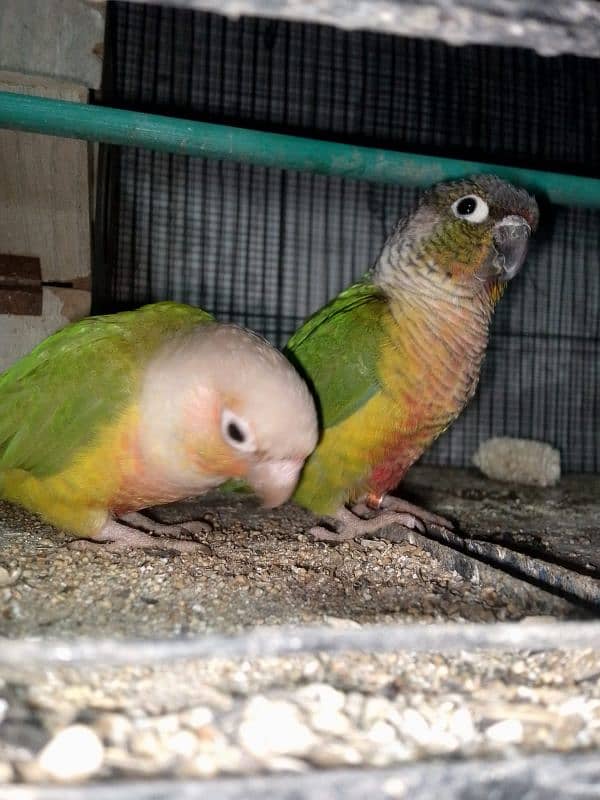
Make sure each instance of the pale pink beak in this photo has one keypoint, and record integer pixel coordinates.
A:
(274, 481)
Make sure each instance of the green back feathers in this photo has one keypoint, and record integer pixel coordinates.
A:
(53, 400)
(336, 351)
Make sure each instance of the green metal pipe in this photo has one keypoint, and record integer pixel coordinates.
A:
(206, 140)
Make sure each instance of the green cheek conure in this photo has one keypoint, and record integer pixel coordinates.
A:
(394, 359)
(119, 412)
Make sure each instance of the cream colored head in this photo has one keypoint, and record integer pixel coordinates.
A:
(220, 402)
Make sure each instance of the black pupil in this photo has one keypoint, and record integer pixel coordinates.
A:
(234, 432)
(466, 206)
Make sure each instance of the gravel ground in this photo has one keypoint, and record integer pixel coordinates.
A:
(261, 568)
(296, 713)
(202, 719)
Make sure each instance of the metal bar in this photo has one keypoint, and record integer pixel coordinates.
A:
(207, 140)
(572, 776)
(268, 642)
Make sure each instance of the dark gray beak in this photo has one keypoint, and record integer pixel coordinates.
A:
(511, 237)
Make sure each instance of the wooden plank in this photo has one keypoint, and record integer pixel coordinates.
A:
(45, 190)
(20, 333)
(19, 270)
(61, 39)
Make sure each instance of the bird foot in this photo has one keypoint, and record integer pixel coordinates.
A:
(397, 505)
(350, 525)
(143, 523)
(116, 536)
(374, 515)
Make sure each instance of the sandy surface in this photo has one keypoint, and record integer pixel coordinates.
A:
(262, 568)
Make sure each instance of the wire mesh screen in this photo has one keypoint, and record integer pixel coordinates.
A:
(266, 247)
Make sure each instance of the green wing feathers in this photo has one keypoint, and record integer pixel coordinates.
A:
(53, 400)
(336, 350)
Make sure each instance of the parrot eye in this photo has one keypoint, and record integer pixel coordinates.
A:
(236, 432)
(471, 208)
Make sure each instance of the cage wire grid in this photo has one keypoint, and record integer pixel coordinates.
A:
(266, 247)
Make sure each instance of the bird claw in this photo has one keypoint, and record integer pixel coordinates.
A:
(322, 534)
(195, 527)
(116, 536)
(364, 520)
(426, 518)
(143, 523)
(350, 525)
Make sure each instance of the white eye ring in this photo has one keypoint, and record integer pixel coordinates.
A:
(471, 208)
(236, 432)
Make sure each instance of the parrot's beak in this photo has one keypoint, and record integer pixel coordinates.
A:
(511, 237)
(274, 481)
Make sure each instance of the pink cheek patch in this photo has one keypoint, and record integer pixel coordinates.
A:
(201, 411)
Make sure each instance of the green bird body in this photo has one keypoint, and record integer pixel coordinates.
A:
(393, 359)
(119, 412)
(55, 399)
